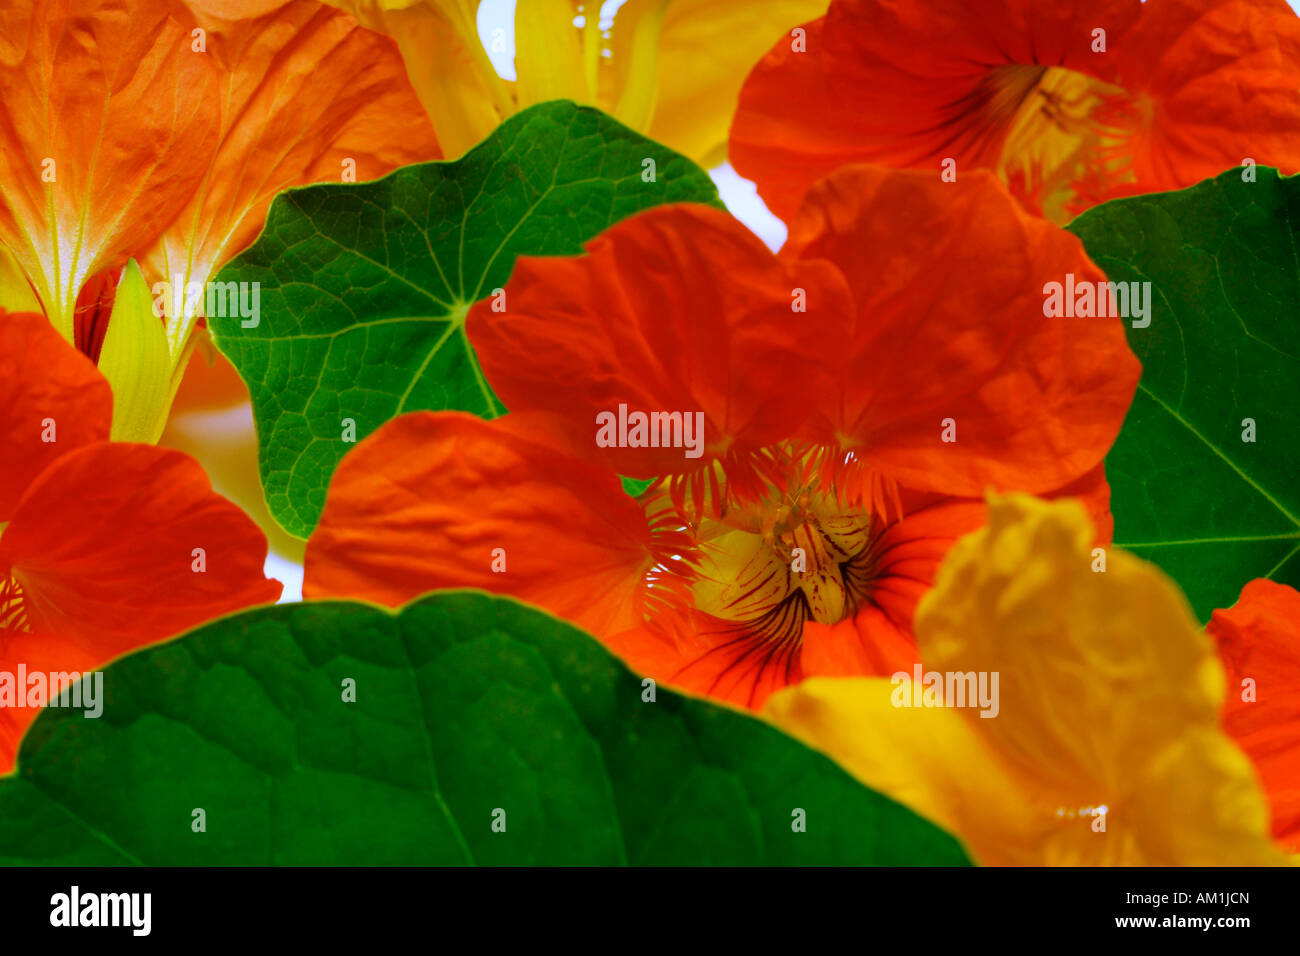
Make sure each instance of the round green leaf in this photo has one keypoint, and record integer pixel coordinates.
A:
(1188, 491)
(469, 710)
(364, 288)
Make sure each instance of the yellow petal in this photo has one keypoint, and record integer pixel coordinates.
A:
(674, 70)
(706, 49)
(1108, 697)
(16, 293)
(637, 37)
(928, 759)
(1117, 652)
(136, 362)
(549, 59)
(1199, 805)
(593, 44)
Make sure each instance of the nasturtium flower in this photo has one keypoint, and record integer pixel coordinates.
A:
(1259, 643)
(671, 69)
(847, 425)
(1069, 103)
(141, 143)
(104, 546)
(1106, 746)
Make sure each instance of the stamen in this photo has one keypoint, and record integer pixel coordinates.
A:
(767, 569)
(734, 479)
(675, 554)
(1068, 130)
(13, 611)
(1044, 130)
(847, 472)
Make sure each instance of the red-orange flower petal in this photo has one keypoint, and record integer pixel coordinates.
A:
(697, 653)
(679, 309)
(52, 400)
(107, 124)
(790, 94)
(1092, 490)
(948, 281)
(118, 545)
(447, 500)
(1027, 90)
(43, 653)
(1259, 641)
(1211, 84)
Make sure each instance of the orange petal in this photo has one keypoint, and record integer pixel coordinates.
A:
(224, 442)
(699, 654)
(447, 63)
(1024, 89)
(52, 400)
(679, 309)
(44, 653)
(1214, 83)
(307, 96)
(209, 383)
(107, 543)
(906, 85)
(1259, 641)
(108, 123)
(447, 500)
(949, 281)
(1092, 490)
(790, 129)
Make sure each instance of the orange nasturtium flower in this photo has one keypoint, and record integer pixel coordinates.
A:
(1182, 90)
(1259, 642)
(857, 393)
(104, 546)
(1105, 745)
(157, 132)
(671, 69)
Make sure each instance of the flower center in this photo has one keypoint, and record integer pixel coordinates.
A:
(1060, 128)
(769, 568)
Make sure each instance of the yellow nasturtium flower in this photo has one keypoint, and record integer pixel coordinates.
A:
(1106, 747)
(671, 69)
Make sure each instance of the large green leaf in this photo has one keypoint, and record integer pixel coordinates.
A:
(364, 288)
(464, 704)
(1223, 345)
